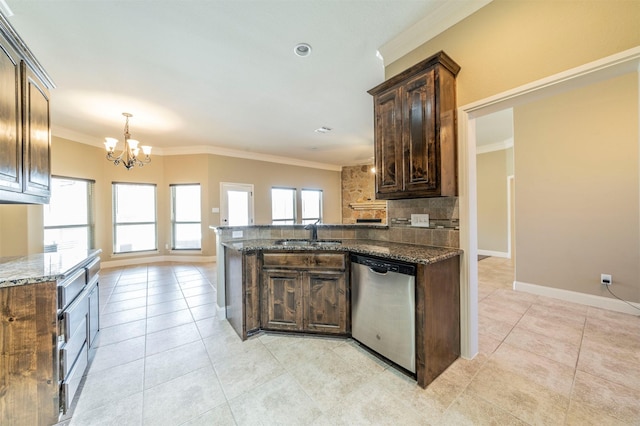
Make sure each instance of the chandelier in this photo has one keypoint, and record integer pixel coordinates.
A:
(129, 155)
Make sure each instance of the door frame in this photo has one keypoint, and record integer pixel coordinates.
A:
(621, 63)
(245, 187)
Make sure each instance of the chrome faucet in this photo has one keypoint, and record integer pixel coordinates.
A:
(314, 230)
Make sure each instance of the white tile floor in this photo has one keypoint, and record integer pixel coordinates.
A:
(165, 358)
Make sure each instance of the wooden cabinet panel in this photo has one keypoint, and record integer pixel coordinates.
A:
(419, 134)
(37, 137)
(242, 302)
(282, 300)
(24, 122)
(325, 302)
(388, 147)
(28, 355)
(437, 318)
(305, 292)
(303, 260)
(10, 120)
(415, 131)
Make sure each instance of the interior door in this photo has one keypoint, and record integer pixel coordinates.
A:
(236, 204)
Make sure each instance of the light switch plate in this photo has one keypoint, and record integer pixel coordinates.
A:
(421, 220)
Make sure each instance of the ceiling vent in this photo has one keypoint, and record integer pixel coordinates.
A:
(323, 129)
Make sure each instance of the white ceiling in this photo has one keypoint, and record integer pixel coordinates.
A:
(495, 131)
(221, 75)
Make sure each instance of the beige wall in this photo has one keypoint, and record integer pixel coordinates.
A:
(73, 159)
(492, 171)
(21, 229)
(508, 44)
(577, 205)
(265, 175)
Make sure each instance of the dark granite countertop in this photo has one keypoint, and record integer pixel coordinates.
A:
(404, 252)
(41, 267)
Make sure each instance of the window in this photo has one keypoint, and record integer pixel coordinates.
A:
(186, 230)
(68, 218)
(134, 217)
(311, 205)
(283, 206)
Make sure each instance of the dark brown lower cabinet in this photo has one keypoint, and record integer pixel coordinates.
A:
(309, 292)
(282, 300)
(305, 292)
(325, 301)
(437, 318)
(46, 332)
(28, 355)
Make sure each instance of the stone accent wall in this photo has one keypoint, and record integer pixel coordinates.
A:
(358, 185)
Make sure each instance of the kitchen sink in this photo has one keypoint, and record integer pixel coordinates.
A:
(308, 243)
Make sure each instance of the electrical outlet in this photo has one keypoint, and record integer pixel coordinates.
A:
(605, 279)
(421, 220)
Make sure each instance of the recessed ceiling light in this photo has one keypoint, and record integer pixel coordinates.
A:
(323, 129)
(302, 49)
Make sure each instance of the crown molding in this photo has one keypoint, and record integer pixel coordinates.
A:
(248, 155)
(446, 15)
(74, 136)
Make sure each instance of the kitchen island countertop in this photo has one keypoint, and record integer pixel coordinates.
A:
(411, 253)
(41, 267)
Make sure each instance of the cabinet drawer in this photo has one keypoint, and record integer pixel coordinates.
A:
(71, 350)
(303, 260)
(74, 316)
(70, 385)
(92, 269)
(70, 288)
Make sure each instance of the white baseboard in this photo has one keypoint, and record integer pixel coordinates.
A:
(494, 253)
(221, 311)
(576, 297)
(157, 259)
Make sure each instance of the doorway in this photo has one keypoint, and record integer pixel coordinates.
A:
(236, 204)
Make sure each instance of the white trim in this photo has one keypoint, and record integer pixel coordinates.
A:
(600, 70)
(74, 136)
(5, 9)
(441, 18)
(221, 311)
(510, 183)
(497, 146)
(603, 69)
(156, 259)
(227, 152)
(468, 207)
(494, 253)
(577, 297)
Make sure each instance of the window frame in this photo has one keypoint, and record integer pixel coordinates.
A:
(175, 222)
(90, 224)
(286, 221)
(116, 224)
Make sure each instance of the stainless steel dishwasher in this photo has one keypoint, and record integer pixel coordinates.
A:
(383, 308)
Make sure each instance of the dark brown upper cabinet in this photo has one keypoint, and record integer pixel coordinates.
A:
(415, 131)
(25, 139)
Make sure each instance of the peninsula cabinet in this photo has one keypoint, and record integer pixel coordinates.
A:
(25, 142)
(304, 292)
(48, 330)
(415, 131)
(241, 282)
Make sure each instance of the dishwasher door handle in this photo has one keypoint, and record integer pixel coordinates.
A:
(378, 271)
